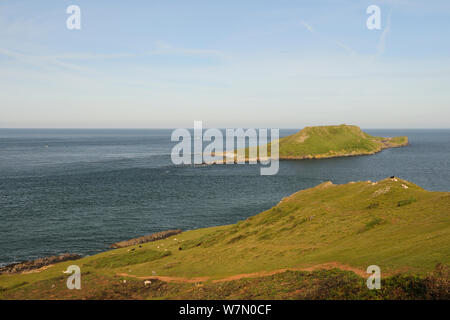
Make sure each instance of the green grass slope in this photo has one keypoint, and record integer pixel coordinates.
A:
(331, 141)
(392, 223)
(334, 141)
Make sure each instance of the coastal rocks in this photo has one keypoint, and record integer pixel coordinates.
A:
(38, 263)
(148, 238)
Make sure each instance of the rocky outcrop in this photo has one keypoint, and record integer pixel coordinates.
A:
(38, 263)
(148, 238)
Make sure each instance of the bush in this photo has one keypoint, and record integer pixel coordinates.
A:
(438, 283)
(405, 202)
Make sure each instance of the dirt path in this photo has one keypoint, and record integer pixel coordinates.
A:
(37, 270)
(332, 265)
(165, 278)
(326, 266)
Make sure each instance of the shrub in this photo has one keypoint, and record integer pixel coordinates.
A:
(405, 202)
(438, 283)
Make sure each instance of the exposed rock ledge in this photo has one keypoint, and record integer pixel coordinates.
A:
(148, 238)
(38, 263)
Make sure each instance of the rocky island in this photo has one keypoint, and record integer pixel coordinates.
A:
(319, 142)
(334, 141)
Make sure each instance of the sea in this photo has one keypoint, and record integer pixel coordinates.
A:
(80, 190)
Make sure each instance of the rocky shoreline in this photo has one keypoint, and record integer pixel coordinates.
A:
(38, 263)
(148, 238)
(385, 143)
(31, 265)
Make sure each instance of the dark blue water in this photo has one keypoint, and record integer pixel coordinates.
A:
(81, 190)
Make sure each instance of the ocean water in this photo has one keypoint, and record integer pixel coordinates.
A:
(79, 191)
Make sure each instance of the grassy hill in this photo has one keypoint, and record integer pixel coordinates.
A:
(331, 141)
(289, 251)
(334, 141)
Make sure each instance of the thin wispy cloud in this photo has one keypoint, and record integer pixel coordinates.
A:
(307, 26)
(91, 56)
(37, 60)
(342, 45)
(346, 48)
(381, 45)
(162, 48)
(60, 60)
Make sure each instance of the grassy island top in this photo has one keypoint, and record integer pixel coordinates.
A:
(334, 141)
(392, 223)
(331, 141)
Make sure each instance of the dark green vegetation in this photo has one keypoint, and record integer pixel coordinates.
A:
(292, 250)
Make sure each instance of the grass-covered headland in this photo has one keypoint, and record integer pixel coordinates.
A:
(327, 142)
(334, 141)
(314, 244)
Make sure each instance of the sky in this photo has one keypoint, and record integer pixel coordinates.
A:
(277, 64)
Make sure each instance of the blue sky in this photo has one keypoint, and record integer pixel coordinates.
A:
(287, 64)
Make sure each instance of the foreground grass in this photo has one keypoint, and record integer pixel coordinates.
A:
(393, 223)
(289, 285)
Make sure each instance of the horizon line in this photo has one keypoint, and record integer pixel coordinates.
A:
(172, 128)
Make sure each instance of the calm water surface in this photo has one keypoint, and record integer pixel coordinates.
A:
(81, 190)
